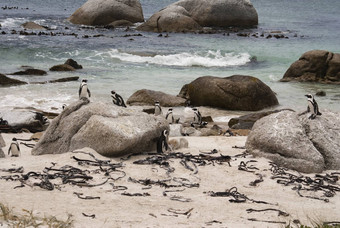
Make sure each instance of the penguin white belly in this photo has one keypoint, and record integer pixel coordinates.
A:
(311, 107)
(14, 150)
(83, 92)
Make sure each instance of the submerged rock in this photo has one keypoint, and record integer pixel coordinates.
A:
(149, 97)
(315, 66)
(6, 81)
(236, 92)
(104, 12)
(62, 67)
(108, 129)
(30, 71)
(297, 142)
(192, 15)
(32, 25)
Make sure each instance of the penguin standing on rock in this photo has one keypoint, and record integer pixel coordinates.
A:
(162, 142)
(14, 148)
(169, 116)
(117, 99)
(158, 109)
(312, 107)
(84, 89)
(198, 119)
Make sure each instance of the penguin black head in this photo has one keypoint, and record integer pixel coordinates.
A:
(157, 103)
(170, 109)
(113, 92)
(14, 139)
(310, 96)
(84, 80)
(194, 109)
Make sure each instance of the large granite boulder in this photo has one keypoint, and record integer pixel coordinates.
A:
(297, 142)
(6, 81)
(149, 97)
(191, 15)
(236, 92)
(108, 129)
(24, 119)
(104, 12)
(315, 66)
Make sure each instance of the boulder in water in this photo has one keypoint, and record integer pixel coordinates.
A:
(192, 15)
(315, 66)
(237, 92)
(33, 26)
(149, 97)
(6, 81)
(104, 12)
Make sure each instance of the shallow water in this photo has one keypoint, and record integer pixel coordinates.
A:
(130, 60)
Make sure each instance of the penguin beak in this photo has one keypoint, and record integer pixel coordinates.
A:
(306, 95)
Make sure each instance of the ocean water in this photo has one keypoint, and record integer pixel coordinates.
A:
(127, 61)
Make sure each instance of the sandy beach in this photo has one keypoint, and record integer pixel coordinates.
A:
(181, 198)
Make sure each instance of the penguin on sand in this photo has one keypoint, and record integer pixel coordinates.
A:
(158, 109)
(312, 107)
(198, 119)
(14, 148)
(162, 142)
(169, 116)
(84, 89)
(117, 99)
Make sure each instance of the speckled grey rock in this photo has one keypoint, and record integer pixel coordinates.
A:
(2, 141)
(297, 142)
(108, 129)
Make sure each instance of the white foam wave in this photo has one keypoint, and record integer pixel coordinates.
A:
(185, 59)
(12, 22)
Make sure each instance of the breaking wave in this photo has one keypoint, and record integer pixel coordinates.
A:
(185, 59)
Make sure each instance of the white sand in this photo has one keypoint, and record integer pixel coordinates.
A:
(116, 210)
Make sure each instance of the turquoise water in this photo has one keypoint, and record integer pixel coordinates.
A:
(126, 61)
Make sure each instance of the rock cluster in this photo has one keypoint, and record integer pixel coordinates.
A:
(108, 129)
(149, 97)
(297, 142)
(192, 15)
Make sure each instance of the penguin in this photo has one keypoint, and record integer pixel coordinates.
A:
(162, 142)
(117, 99)
(312, 107)
(169, 116)
(158, 109)
(84, 90)
(14, 148)
(197, 116)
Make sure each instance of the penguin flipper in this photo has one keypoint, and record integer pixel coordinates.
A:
(89, 92)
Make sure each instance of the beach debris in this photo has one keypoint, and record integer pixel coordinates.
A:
(243, 166)
(259, 180)
(80, 196)
(326, 184)
(91, 216)
(186, 213)
(237, 196)
(135, 194)
(212, 222)
(281, 213)
(268, 221)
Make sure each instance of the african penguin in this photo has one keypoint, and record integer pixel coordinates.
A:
(162, 142)
(117, 99)
(14, 148)
(84, 89)
(197, 116)
(158, 109)
(312, 107)
(169, 116)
